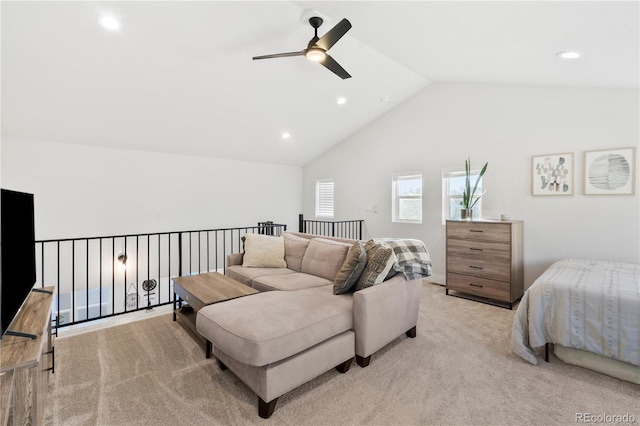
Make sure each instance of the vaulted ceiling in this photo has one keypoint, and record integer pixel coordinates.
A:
(177, 77)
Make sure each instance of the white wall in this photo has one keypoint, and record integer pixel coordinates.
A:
(505, 125)
(85, 191)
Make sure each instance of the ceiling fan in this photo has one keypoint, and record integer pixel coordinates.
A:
(317, 48)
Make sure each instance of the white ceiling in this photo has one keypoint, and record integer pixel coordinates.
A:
(178, 76)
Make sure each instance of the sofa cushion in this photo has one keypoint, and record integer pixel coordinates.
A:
(351, 269)
(294, 249)
(267, 327)
(380, 259)
(247, 275)
(295, 281)
(263, 251)
(324, 258)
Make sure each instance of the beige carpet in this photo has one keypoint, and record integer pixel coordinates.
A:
(458, 371)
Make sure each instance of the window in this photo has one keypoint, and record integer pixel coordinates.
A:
(452, 188)
(324, 198)
(407, 198)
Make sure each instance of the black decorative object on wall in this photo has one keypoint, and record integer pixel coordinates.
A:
(148, 286)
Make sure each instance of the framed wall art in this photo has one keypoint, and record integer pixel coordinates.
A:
(609, 172)
(552, 174)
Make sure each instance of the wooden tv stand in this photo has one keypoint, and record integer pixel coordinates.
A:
(26, 361)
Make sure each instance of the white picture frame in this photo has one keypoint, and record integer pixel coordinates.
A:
(610, 171)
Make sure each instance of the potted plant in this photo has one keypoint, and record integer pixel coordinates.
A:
(469, 198)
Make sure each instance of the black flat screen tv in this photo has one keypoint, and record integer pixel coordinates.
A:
(17, 253)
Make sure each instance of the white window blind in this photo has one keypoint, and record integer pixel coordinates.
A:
(325, 198)
(407, 198)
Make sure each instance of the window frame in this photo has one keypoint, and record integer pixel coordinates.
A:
(319, 210)
(447, 197)
(396, 197)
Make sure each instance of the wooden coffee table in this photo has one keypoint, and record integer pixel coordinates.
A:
(201, 290)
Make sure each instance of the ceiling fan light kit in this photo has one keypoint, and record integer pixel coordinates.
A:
(315, 54)
(317, 48)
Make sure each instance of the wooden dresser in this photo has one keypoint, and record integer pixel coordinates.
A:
(484, 260)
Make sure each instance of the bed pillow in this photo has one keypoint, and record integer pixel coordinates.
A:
(380, 259)
(263, 251)
(351, 269)
(294, 249)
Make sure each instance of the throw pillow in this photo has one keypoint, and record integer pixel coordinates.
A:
(379, 262)
(263, 251)
(351, 269)
(324, 258)
(294, 249)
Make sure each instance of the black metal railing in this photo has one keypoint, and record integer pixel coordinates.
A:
(99, 277)
(340, 228)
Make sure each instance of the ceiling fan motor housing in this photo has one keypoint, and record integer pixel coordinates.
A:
(316, 21)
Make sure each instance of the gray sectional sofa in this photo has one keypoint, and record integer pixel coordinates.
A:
(296, 328)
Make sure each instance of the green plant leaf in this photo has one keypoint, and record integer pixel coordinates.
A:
(468, 195)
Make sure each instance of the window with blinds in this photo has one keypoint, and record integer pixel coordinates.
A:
(324, 198)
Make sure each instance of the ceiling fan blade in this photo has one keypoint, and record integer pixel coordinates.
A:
(335, 67)
(280, 55)
(334, 34)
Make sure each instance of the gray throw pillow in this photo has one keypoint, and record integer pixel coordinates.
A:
(379, 262)
(351, 269)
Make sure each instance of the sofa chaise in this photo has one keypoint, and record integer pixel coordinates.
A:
(297, 327)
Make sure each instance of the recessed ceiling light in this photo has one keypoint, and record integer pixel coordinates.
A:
(286, 135)
(109, 22)
(341, 101)
(568, 55)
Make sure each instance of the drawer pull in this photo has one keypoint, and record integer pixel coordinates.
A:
(475, 230)
(475, 249)
(476, 267)
(475, 285)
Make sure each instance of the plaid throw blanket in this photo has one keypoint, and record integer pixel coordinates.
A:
(412, 257)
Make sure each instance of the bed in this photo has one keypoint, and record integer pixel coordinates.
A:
(589, 310)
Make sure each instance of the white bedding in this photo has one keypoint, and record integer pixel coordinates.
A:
(590, 305)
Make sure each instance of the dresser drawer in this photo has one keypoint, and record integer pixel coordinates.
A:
(479, 249)
(492, 269)
(479, 287)
(479, 231)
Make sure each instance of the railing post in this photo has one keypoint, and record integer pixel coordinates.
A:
(360, 230)
(180, 254)
(333, 229)
(265, 228)
(301, 223)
